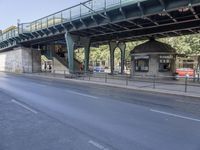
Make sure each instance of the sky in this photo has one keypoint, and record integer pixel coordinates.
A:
(30, 10)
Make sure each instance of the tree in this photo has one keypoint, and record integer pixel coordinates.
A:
(189, 45)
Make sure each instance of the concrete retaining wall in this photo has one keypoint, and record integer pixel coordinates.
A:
(59, 68)
(20, 60)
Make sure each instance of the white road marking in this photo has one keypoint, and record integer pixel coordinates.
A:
(24, 106)
(43, 85)
(97, 145)
(82, 94)
(174, 115)
(182, 101)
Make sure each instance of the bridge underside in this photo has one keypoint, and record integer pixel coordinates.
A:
(158, 18)
(119, 24)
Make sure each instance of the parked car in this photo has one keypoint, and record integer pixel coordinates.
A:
(185, 72)
(99, 69)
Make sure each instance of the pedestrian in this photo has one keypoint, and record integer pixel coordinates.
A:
(50, 67)
(45, 66)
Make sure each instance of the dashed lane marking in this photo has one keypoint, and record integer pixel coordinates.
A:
(97, 145)
(24, 106)
(175, 115)
(82, 94)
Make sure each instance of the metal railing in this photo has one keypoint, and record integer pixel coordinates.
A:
(73, 13)
(168, 83)
(66, 15)
(189, 85)
(8, 35)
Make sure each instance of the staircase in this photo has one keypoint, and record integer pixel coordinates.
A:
(63, 60)
(44, 58)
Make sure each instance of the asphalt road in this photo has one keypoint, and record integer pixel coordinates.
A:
(38, 114)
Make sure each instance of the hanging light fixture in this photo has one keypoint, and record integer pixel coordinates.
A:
(163, 13)
(183, 9)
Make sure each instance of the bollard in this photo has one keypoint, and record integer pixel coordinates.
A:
(83, 76)
(194, 76)
(106, 78)
(54, 73)
(64, 73)
(186, 84)
(154, 81)
(89, 76)
(126, 81)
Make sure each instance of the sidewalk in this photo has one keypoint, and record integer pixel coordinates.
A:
(173, 87)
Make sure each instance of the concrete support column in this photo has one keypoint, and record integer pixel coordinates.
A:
(122, 47)
(112, 47)
(86, 44)
(70, 42)
(20, 60)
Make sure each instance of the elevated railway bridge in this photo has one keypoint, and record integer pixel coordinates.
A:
(98, 22)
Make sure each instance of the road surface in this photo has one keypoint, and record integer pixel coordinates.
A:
(38, 114)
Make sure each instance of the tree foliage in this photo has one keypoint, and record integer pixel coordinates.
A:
(189, 45)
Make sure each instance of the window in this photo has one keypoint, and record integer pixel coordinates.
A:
(141, 63)
(165, 63)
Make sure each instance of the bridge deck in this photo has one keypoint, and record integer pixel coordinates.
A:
(105, 20)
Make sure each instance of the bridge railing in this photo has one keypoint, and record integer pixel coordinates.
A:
(66, 15)
(73, 13)
(8, 35)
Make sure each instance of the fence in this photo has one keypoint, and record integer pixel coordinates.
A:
(169, 83)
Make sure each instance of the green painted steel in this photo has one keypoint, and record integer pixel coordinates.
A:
(112, 47)
(67, 15)
(70, 47)
(79, 11)
(122, 47)
(106, 20)
(87, 57)
(86, 43)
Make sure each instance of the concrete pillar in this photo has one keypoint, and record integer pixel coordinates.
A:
(20, 60)
(36, 60)
(112, 47)
(70, 42)
(122, 47)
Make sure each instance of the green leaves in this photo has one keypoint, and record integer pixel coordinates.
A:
(189, 45)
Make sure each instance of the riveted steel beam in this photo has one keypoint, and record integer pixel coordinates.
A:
(139, 5)
(192, 10)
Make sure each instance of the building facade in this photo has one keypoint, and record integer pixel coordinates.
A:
(153, 58)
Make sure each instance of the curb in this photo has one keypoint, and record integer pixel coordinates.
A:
(118, 86)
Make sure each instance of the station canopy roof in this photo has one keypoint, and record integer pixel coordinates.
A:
(153, 46)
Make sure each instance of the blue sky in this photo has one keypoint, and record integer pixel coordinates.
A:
(29, 10)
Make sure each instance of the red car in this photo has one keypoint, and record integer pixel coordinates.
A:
(183, 72)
